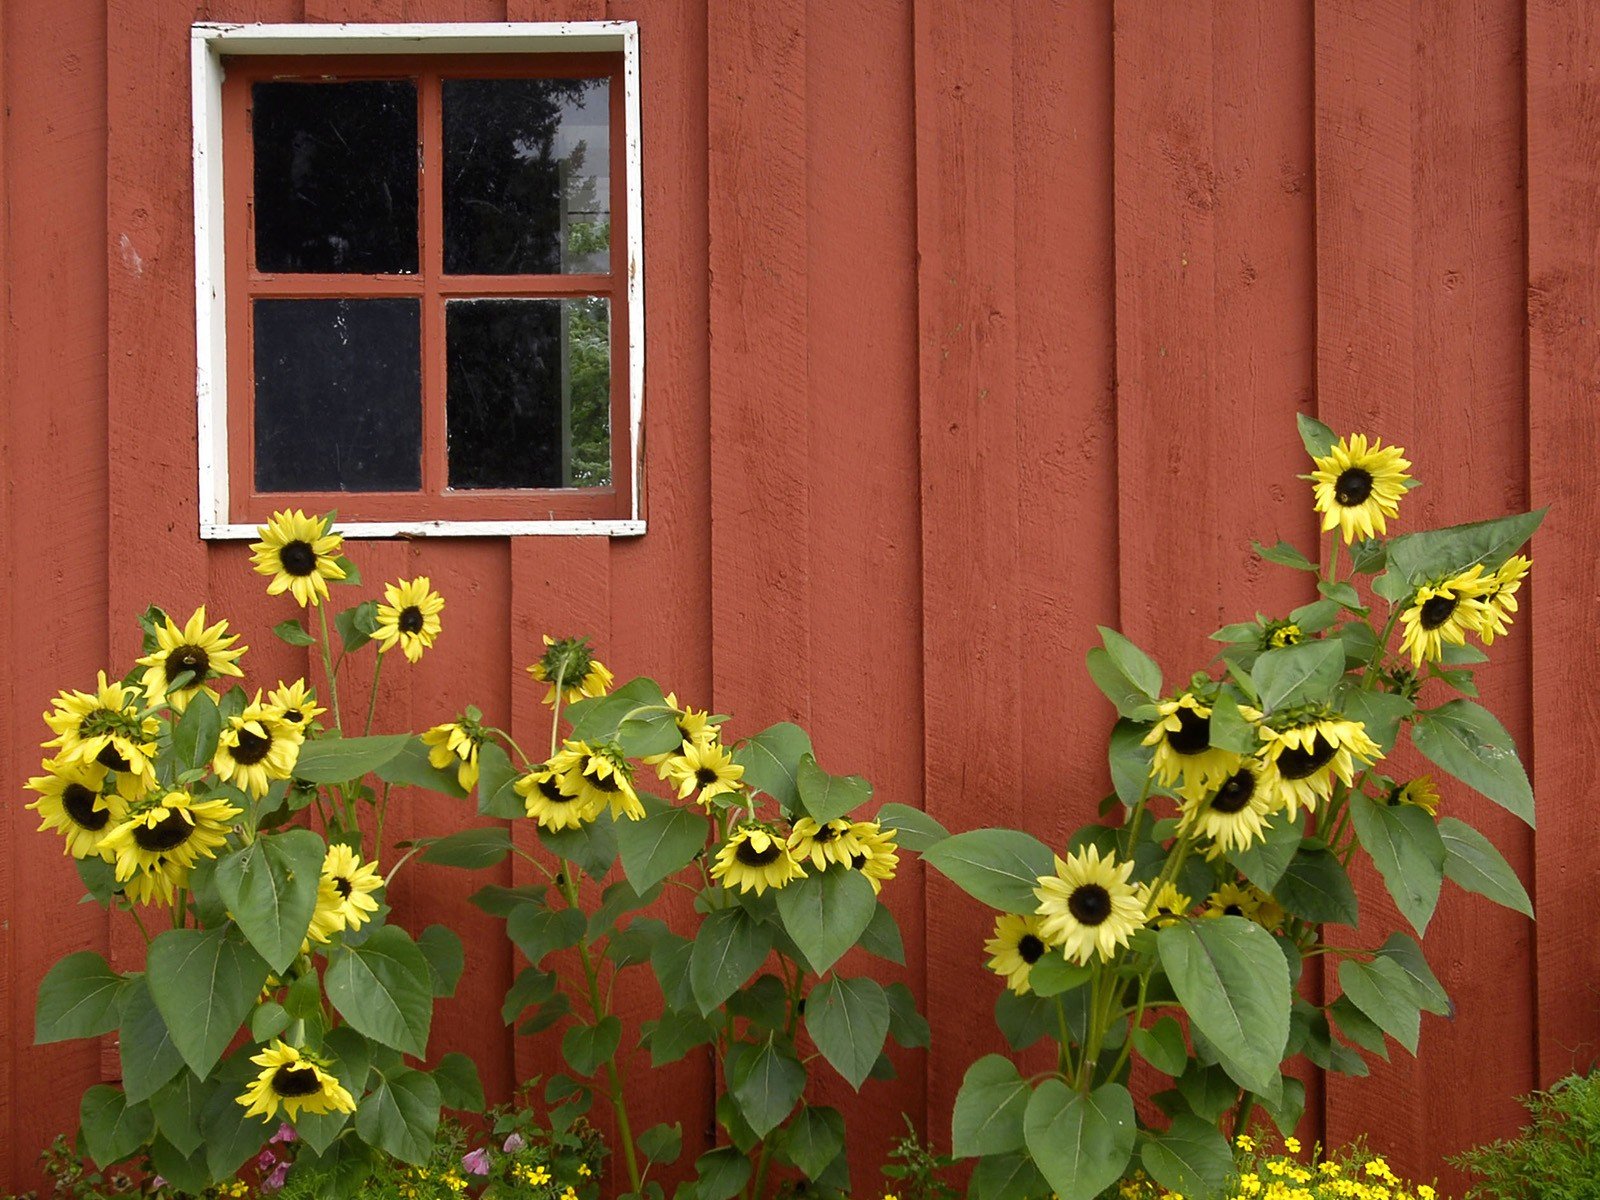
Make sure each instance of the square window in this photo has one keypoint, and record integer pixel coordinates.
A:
(419, 277)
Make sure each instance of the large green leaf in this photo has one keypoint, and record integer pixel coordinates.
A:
(1191, 1158)
(1467, 741)
(907, 1026)
(401, 1115)
(1080, 1143)
(1234, 982)
(1131, 700)
(826, 913)
(194, 737)
(538, 931)
(338, 760)
(177, 1106)
(766, 1079)
(989, 1109)
(113, 1128)
(882, 936)
(1297, 675)
(78, 997)
(1315, 887)
(1317, 438)
(771, 761)
(720, 1173)
(1006, 1177)
(1472, 862)
(411, 768)
(814, 1139)
(227, 1133)
(730, 946)
(1403, 951)
(662, 1143)
(470, 849)
(1264, 862)
(149, 1055)
(204, 985)
(599, 718)
(497, 778)
(1000, 867)
(914, 829)
(1383, 991)
(1439, 553)
(662, 844)
(384, 989)
(826, 797)
(270, 888)
(848, 1019)
(1162, 1046)
(1139, 668)
(587, 1047)
(446, 957)
(1129, 760)
(1380, 713)
(592, 847)
(1406, 848)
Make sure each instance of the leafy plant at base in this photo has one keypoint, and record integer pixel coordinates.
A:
(1241, 799)
(1553, 1158)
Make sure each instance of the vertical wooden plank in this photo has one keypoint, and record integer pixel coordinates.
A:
(969, 434)
(1563, 114)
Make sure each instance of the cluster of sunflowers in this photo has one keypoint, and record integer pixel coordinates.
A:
(1353, 1175)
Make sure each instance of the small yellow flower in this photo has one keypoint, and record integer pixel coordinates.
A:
(583, 1169)
(1292, 1145)
(1245, 1142)
(409, 617)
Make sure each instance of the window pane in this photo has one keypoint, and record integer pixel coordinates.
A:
(528, 401)
(527, 176)
(336, 176)
(338, 395)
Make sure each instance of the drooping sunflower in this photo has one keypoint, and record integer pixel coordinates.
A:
(456, 742)
(572, 662)
(1280, 634)
(552, 796)
(875, 856)
(295, 703)
(1303, 759)
(295, 1082)
(1444, 612)
(1088, 905)
(409, 617)
(301, 554)
(755, 858)
(256, 747)
(1500, 598)
(693, 726)
(166, 833)
(105, 727)
(1420, 792)
(1234, 816)
(706, 766)
(196, 653)
(1016, 945)
(1358, 487)
(70, 802)
(824, 843)
(604, 777)
(1170, 904)
(345, 897)
(1183, 750)
(1232, 900)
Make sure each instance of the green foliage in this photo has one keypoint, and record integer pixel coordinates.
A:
(1554, 1156)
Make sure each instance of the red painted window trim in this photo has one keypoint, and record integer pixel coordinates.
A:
(435, 502)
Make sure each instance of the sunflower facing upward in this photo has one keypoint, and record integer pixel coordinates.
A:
(1358, 488)
(187, 658)
(295, 1082)
(257, 747)
(1089, 906)
(301, 554)
(409, 617)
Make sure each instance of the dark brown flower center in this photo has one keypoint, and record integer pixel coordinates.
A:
(1353, 487)
(1030, 949)
(111, 759)
(825, 833)
(705, 776)
(1295, 763)
(1193, 733)
(1436, 610)
(191, 659)
(298, 558)
(551, 790)
(606, 783)
(1233, 910)
(251, 747)
(172, 831)
(343, 886)
(1090, 904)
(78, 801)
(293, 1079)
(751, 857)
(293, 715)
(410, 619)
(1233, 795)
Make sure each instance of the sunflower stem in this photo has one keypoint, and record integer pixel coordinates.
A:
(180, 908)
(139, 921)
(327, 665)
(1138, 1015)
(1241, 1123)
(555, 707)
(372, 699)
(1333, 556)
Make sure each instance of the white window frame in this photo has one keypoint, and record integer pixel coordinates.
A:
(209, 42)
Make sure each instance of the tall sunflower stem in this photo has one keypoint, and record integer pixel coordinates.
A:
(327, 665)
(1138, 1015)
(372, 698)
(180, 908)
(1241, 1123)
(133, 912)
(555, 707)
(1333, 557)
(1369, 674)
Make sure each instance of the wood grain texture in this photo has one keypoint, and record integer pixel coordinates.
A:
(1563, 117)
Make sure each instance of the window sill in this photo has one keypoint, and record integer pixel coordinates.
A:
(387, 529)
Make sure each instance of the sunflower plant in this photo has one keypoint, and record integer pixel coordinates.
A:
(637, 793)
(238, 828)
(1174, 931)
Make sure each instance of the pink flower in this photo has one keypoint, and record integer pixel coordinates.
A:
(514, 1143)
(266, 1159)
(477, 1162)
(285, 1133)
(274, 1182)
(157, 1182)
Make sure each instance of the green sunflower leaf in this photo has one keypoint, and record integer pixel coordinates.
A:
(1133, 662)
(989, 1109)
(826, 913)
(598, 718)
(826, 797)
(538, 931)
(497, 796)
(1380, 713)
(78, 997)
(294, 633)
(1130, 698)
(882, 936)
(650, 729)
(1343, 594)
(674, 1035)
(1472, 862)
(1466, 740)
(592, 848)
(848, 1019)
(907, 1026)
(720, 1173)
(1006, 1177)
(1054, 974)
(587, 1047)
(228, 1135)
(470, 849)
(1403, 951)
(1406, 848)
(1080, 1143)
(356, 625)
(177, 1107)
(401, 1115)
(1234, 983)
(204, 984)
(1162, 1046)
(112, 1127)
(1229, 729)
(1264, 862)
(1357, 1027)
(1191, 1158)
(766, 1079)
(1287, 1109)
(1023, 1020)
(1296, 675)
(1317, 438)
(662, 844)
(1368, 556)
(662, 1143)
(1238, 632)
(1436, 554)
(914, 829)
(1316, 616)
(270, 888)
(1315, 887)
(446, 958)
(149, 1056)
(1000, 867)
(384, 989)
(194, 737)
(771, 762)
(411, 768)
(1383, 991)
(1285, 555)
(339, 759)
(1129, 759)
(814, 1139)
(730, 946)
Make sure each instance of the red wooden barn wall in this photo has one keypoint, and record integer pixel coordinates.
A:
(971, 326)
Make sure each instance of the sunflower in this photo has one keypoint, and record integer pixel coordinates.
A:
(707, 766)
(1280, 634)
(456, 742)
(1088, 905)
(693, 726)
(410, 617)
(1232, 900)
(70, 803)
(1269, 913)
(824, 843)
(1016, 945)
(166, 834)
(296, 1082)
(1358, 487)
(1420, 792)
(1444, 612)
(553, 797)
(1183, 749)
(604, 777)
(1303, 759)
(571, 661)
(301, 554)
(344, 893)
(755, 858)
(876, 857)
(256, 747)
(155, 885)
(1170, 904)
(1500, 598)
(1235, 816)
(105, 728)
(188, 657)
(295, 703)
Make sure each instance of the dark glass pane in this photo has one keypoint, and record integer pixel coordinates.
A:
(336, 176)
(527, 176)
(529, 396)
(338, 395)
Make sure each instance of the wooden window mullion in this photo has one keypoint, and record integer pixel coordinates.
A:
(435, 465)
